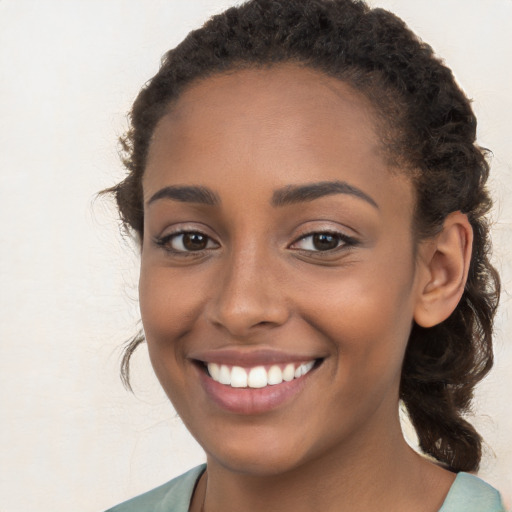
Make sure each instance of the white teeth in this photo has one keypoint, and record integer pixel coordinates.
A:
(258, 376)
(214, 371)
(289, 372)
(306, 367)
(238, 377)
(224, 375)
(275, 375)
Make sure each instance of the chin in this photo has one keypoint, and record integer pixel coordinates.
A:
(263, 455)
(255, 464)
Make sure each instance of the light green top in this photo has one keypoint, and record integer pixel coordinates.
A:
(467, 494)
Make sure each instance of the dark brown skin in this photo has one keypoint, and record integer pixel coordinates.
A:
(337, 445)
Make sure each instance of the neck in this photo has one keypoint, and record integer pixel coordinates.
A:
(358, 477)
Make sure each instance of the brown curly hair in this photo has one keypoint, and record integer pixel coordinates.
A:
(429, 130)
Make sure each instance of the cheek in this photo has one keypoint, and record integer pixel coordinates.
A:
(367, 319)
(168, 312)
(169, 306)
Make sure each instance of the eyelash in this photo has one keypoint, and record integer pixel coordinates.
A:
(343, 242)
(165, 243)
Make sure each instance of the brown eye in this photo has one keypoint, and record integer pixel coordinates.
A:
(194, 241)
(325, 241)
(186, 242)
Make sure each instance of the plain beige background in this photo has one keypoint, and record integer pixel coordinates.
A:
(71, 438)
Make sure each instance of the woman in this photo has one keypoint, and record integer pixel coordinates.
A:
(310, 203)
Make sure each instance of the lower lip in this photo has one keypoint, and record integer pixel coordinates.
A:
(251, 400)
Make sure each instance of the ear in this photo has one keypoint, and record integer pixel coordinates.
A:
(444, 264)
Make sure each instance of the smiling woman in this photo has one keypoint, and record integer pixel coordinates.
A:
(310, 203)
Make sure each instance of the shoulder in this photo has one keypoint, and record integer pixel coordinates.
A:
(471, 494)
(173, 496)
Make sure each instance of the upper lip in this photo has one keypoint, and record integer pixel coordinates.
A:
(250, 357)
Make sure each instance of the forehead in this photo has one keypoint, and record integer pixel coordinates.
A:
(281, 87)
(286, 123)
(283, 100)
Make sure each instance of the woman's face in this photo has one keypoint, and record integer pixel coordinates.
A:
(276, 238)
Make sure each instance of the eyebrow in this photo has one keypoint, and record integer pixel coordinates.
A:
(301, 193)
(186, 194)
(290, 194)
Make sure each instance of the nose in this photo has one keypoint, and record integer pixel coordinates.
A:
(249, 295)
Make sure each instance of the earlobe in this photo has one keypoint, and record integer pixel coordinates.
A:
(444, 262)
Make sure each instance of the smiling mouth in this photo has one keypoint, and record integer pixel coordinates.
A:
(253, 382)
(260, 376)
